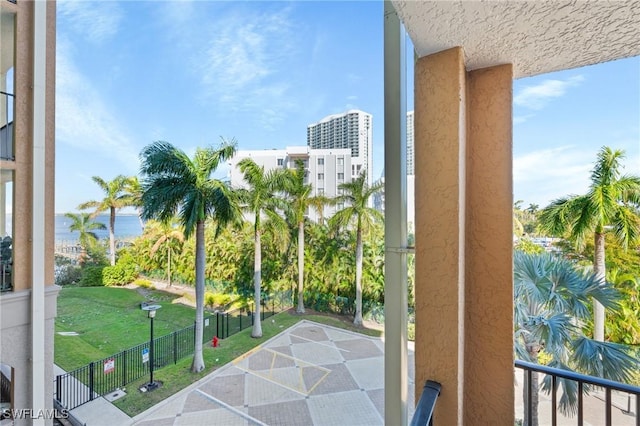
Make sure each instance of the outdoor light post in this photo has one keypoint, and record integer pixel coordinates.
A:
(151, 310)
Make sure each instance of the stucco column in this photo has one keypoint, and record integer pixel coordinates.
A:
(464, 290)
(439, 131)
(488, 385)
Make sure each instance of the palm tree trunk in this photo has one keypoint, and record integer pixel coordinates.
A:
(257, 279)
(599, 269)
(112, 235)
(300, 308)
(358, 317)
(169, 265)
(198, 361)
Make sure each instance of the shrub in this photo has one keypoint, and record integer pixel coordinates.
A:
(91, 276)
(120, 274)
(67, 274)
(141, 282)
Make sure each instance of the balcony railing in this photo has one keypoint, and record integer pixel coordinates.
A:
(6, 130)
(608, 387)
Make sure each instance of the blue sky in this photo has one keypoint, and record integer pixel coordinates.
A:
(190, 72)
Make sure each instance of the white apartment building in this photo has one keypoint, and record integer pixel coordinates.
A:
(351, 130)
(326, 169)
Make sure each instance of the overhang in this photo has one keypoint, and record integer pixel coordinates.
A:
(537, 37)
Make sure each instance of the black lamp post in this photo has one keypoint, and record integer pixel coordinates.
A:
(151, 310)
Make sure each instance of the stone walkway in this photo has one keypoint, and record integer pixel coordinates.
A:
(311, 374)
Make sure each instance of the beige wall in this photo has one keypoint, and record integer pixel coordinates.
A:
(464, 303)
(23, 118)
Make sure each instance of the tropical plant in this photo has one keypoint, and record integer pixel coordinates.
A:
(168, 232)
(86, 227)
(116, 197)
(175, 184)
(623, 325)
(134, 190)
(261, 197)
(355, 197)
(551, 311)
(300, 200)
(611, 204)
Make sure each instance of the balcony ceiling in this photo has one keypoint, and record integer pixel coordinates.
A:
(535, 36)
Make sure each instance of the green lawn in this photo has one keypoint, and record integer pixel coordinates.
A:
(109, 320)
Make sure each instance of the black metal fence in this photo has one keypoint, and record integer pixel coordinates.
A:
(104, 376)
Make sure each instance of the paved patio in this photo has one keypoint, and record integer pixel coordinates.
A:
(310, 374)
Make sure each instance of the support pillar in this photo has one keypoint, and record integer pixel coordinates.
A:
(464, 284)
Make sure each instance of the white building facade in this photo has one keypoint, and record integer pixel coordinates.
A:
(326, 170)
(350, 130)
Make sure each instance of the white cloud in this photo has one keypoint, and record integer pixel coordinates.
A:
(83, 120)
(245, 65)
(94, 20)
(522, 118)
(536, 97)
(544, 175)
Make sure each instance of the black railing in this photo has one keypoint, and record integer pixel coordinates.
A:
(104, 376)
(423, 415)
(583, 381)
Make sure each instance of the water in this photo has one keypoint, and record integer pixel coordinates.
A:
(127, 226)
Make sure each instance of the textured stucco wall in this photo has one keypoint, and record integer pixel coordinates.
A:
(488, 385)
(464, 296)
(537, 37)
(439, 196)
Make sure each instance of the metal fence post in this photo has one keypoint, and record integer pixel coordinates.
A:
(227, 315)
(175, 347)
(91, 384)
(59, 388)
(124, 367)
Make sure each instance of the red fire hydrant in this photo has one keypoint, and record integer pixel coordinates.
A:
(214, 342)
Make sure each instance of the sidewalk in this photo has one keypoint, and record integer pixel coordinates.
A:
(98, 412)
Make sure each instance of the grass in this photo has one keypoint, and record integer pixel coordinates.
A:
(177, 377)
(109, 320)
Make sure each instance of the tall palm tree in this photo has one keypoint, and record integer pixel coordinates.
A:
(116, 197)
(262, 198)
(175, 184)
(551, 309)
(85, 226)
(357, 213)
(301, 199)
(167, 232)
(134, 190)
(611, 204)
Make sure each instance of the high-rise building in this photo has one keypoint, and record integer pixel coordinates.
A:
(28, 296)
(325, 169)
(351, 130)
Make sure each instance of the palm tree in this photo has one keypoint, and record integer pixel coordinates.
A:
(116, 197)
(300, 199)
(85, 226)
(551, 310)
(175, 184)
(355, 196)
(611, 204)
(261, 198)
(167, 232)
(134, 190)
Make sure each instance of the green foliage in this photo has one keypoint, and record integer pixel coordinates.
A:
(216, 299)
(144, 283)
(122, 273)
(67, 274)
(91, 276)
(525, 245)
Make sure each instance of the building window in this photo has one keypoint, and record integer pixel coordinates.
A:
(280, 162)
(340, 176)
(340, 161)
(320, 176)
(320, 161)
(320, 191)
